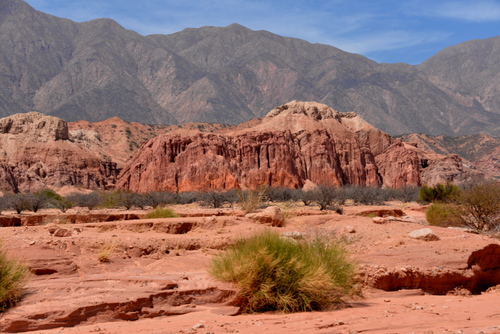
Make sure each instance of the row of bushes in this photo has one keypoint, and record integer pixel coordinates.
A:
(326, 197)
(475, 206)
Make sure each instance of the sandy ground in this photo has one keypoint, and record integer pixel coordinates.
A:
(156, 281)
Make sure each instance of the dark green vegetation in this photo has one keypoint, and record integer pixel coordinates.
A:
(276, 273)
(438, 193)
(476, 206)
(13, 276)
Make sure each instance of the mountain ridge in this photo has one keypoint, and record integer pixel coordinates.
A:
(97, 69)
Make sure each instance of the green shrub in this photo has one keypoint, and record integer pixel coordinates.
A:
(13, 277)
(439, 193)
(275, 273)
(161, 213)
(445, 215)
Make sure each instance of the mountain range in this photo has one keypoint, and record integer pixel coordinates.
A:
(96, 70)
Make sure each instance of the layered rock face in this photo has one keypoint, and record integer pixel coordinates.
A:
(36, 152)
(295, 143)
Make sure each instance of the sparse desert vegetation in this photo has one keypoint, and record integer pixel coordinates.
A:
(274, 273)
(476, 206)
(287, 267)
(13, 277)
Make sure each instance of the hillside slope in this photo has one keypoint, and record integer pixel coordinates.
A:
(97, 69)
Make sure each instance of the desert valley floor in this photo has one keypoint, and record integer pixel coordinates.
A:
(156, 280)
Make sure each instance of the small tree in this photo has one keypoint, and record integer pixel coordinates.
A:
(481, 206)
(91, 200)
(157, 198)
(128, 199)
(19, 202)
(281, 194)
(306, 196)
(328, 197)
(4, 203)
(37, 201)
(405, 194)
(367, 195)
(216, 199)
(62, 204)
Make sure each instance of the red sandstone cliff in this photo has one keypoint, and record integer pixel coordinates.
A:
(36, 152)
(294, 143)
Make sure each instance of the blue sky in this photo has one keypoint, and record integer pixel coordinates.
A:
(408, 31)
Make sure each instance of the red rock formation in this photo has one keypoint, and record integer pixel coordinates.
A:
(294, 143)
(398, 166)
(35, 152)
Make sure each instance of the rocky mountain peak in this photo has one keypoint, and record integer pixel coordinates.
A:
(314, 110)
(35, 125)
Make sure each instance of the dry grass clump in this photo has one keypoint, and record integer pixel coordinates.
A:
(13, 277)
(275, 273)
(105, 252)
(251, 200)
(161, 213)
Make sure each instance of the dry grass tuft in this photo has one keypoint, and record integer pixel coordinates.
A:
(13, 277)
(275, 273)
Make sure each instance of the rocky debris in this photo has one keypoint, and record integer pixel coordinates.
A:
(272, 216)
(36, 152)
(425, 234)
(296, 235)
(410, 219)
(450, 168)
(69, 218)
(349, 229)
(487, 258)
(403, 219)
(50, 266)
(198, 326)
(297, 143)
(60, 232)
(437, 166)
(381, 220)
(382, 213)
(434, 280)
(478, 151)
(34, 126)
(152, 300)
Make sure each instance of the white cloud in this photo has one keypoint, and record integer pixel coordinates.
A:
(474, 11)
(386, 41)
